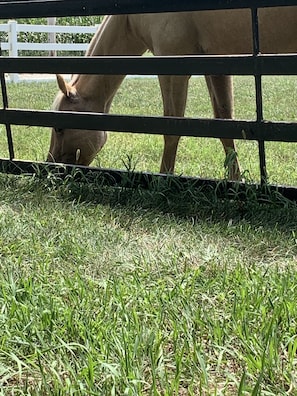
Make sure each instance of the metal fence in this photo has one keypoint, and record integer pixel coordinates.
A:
(255, 64)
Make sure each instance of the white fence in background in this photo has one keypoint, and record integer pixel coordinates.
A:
(13, 46)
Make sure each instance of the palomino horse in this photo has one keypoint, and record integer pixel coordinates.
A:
(186, 33)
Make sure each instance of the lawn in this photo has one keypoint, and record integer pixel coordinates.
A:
(107, 291)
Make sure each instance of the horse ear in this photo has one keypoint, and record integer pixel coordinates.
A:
(67, 90)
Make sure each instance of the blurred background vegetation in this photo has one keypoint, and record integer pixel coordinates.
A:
(28, 37)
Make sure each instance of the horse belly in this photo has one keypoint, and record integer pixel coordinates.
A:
(278, 29)
(219, 32)
(190, 33)
(230, 31)
(224, 32)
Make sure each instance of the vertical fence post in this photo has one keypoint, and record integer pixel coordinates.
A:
(259, 98)
(13, 45)
(5, 106)
(52, 35)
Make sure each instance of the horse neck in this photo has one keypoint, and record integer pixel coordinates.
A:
(115, 37)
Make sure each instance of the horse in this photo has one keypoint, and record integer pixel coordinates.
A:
(218, 32)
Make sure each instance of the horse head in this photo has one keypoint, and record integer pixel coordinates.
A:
(73, 146)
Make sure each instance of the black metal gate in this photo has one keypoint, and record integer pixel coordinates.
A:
(255, 64)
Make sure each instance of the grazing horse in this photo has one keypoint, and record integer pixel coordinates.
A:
(218, 32)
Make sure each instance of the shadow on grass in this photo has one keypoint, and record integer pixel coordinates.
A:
(214, 202)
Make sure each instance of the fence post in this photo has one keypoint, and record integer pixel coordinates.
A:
(13, 45)
(52, 35)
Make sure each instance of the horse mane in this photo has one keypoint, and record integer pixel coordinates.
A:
(97, 36)
(89, 52)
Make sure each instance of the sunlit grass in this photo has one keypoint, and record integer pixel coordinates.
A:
(108, 291)
(124, 295)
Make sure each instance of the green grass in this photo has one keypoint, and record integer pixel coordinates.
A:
(108, 291)
(130, 296)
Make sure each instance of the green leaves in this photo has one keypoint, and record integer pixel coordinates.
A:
(63, 38)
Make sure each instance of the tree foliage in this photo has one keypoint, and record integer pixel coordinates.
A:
(63, 38)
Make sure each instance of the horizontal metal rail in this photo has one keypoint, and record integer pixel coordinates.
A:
(196, 127)
(284, 64)
(48, 8)
(128, 179)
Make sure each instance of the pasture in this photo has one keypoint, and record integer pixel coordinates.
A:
(108, 291)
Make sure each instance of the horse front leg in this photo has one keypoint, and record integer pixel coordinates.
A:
(174, 91)
(221, 93)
